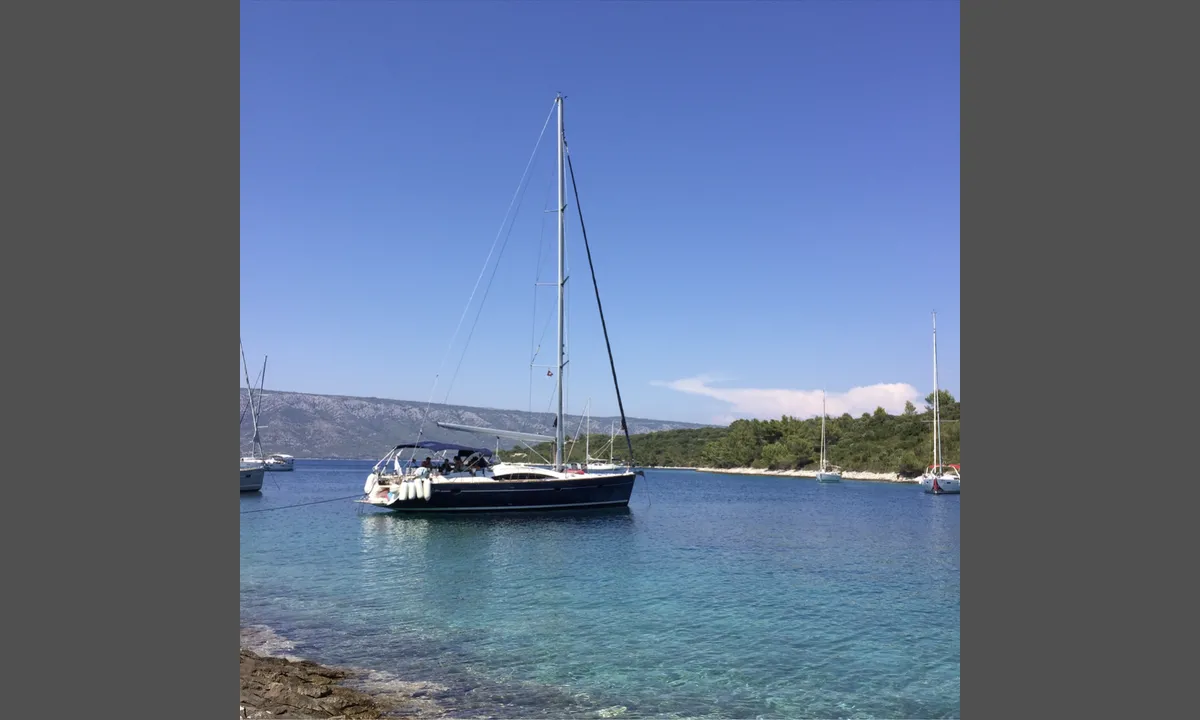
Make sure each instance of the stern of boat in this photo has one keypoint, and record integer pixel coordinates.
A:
(252, 479)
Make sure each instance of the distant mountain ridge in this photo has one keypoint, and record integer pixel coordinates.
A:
(338, 426)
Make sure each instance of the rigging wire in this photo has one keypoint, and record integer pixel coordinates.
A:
(516, 194)
(249, 392)
(535, 344)
(599, 306)
(305, 504)
(487, 289)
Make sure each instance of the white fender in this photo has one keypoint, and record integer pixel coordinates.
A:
(372, 480)
(426, 488)
(409, 490)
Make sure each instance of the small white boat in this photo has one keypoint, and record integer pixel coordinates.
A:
(940, 478)
(603, 467)
(279, 462)
(828, 473)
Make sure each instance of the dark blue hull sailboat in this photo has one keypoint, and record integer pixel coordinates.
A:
(473, 483)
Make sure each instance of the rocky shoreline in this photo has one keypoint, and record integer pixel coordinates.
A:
(276, 687)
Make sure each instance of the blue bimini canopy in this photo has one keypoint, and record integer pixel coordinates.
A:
(434, 446)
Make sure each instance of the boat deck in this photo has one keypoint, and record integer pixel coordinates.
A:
(468, 478)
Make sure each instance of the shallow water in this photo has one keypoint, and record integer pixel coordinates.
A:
(715, 596)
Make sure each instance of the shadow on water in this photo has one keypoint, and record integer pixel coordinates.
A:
(482, 543)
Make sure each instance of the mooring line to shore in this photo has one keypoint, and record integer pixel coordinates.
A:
(314, 502)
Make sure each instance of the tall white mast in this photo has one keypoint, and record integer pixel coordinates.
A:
(822, 431)
(562, 244)
(937, 416)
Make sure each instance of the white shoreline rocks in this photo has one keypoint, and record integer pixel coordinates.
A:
(846, 474)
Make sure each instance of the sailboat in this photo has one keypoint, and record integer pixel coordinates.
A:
(473, 483)
(828, 473)
(610, 466)
(253, 466)
(280, 462)
(939, 478)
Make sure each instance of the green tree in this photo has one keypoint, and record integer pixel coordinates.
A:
(945, 399)
(909, 465)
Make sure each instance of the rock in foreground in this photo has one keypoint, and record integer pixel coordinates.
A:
(278, 688)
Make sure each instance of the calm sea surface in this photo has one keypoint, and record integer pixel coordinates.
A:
(712, 596)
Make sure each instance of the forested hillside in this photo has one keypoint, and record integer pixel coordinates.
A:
(875, 442)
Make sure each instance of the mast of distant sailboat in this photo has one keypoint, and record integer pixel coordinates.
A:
(824, 467)
(937, 416)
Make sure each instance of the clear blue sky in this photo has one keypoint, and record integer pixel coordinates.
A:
(771, 190)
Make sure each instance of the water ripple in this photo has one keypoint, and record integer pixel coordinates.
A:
(729, 597)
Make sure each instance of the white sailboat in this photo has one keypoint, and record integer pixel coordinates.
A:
(828, 473)
(275, 462)
(253, 466)
(939, 478)
(600, 465)
(280, 462)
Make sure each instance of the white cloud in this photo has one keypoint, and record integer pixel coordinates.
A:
(767, 403)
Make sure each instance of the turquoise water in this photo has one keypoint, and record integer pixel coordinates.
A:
(713, 596)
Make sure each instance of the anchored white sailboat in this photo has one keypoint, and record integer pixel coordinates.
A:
(471, 483)
(280, 462)
(939, 478)
(275, 462)
(828, 473)
(610, 466)
(253, 466)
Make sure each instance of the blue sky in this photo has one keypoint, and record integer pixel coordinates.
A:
(771, 192)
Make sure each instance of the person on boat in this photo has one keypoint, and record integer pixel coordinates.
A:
(427, 463)
(458, 463)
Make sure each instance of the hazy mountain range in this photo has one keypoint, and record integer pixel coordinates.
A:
(336, 426)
